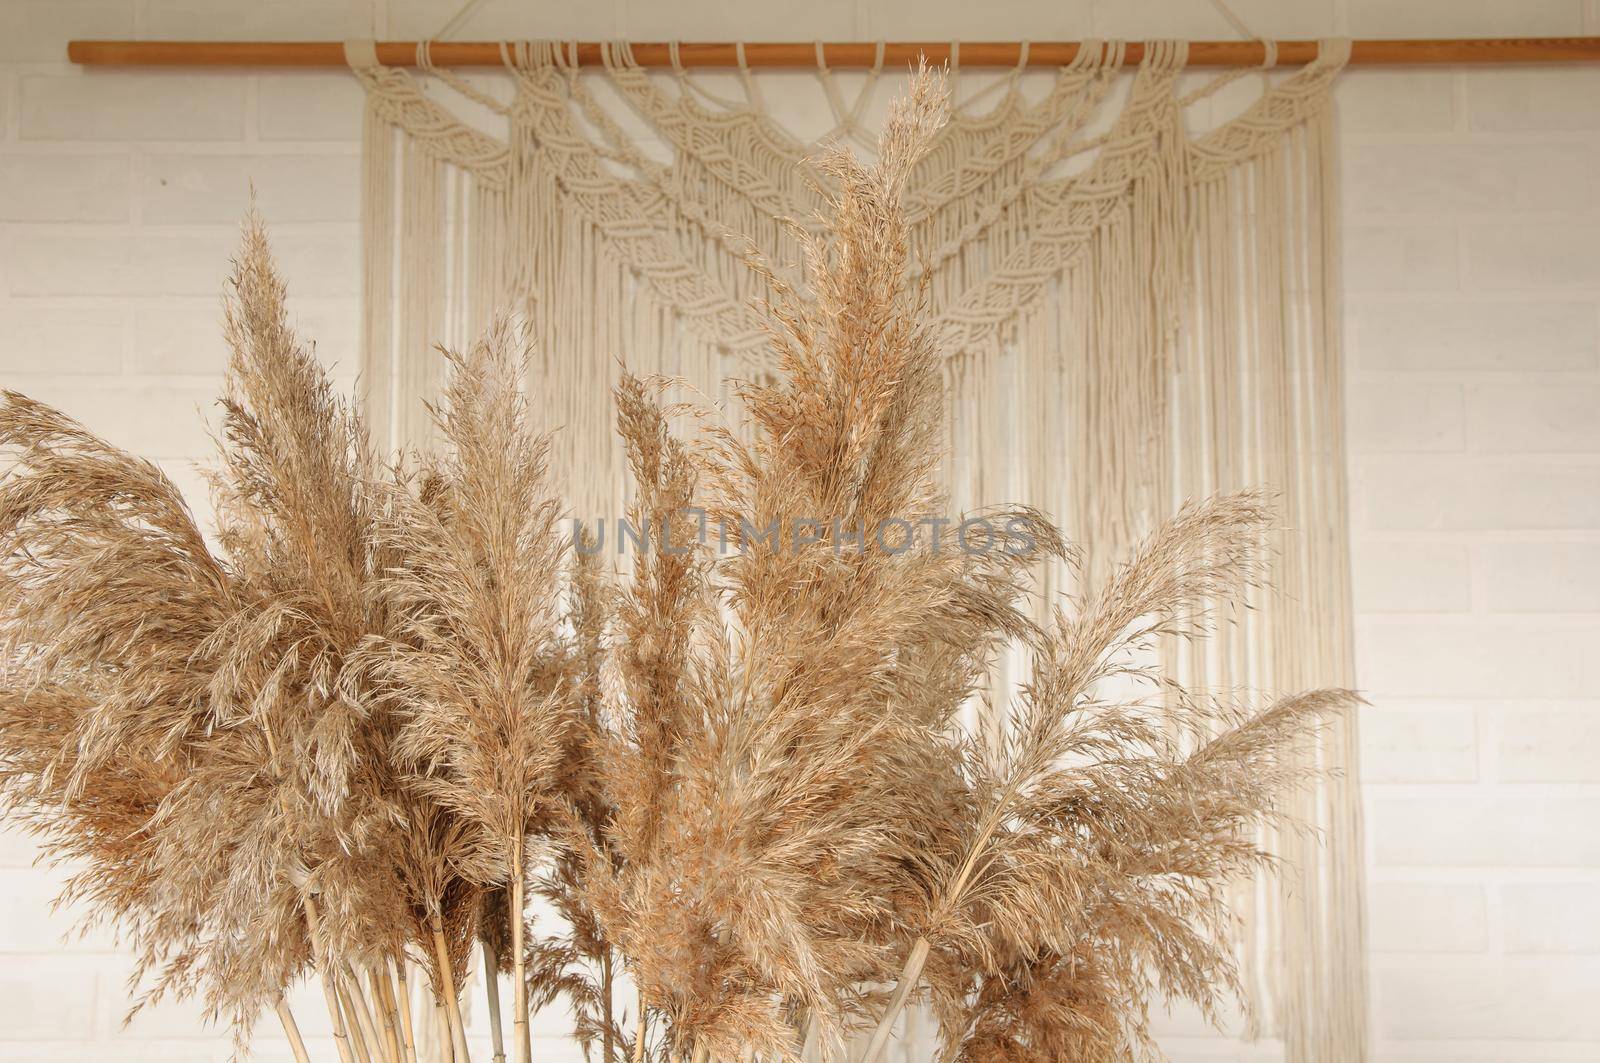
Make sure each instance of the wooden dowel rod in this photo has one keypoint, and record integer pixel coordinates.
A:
(852, 54)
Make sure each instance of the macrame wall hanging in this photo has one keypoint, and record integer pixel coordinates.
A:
(1132, 314)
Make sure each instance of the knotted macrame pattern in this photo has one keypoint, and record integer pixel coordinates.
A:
(1132, 314)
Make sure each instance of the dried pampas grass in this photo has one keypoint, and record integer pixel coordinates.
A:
(349, 740)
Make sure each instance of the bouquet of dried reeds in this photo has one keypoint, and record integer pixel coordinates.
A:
(387, 708)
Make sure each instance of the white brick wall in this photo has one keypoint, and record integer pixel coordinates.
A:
(1472, 240)
(1472, 327)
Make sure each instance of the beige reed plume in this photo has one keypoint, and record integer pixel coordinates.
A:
(347, 741)
(478, 674)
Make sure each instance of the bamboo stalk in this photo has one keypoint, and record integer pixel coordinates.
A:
(330, 993)
(358, 1038)
(909, 977)
(452, 1002)
(795, 55)
(363, 1012)
(640, 1028)
(605, 1002)
(519, 972)
(447, 1045)
(291, 1030)
(491, 989)
(403, 995)
(384, 992)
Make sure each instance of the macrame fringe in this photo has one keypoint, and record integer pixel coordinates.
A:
(1160, 325)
